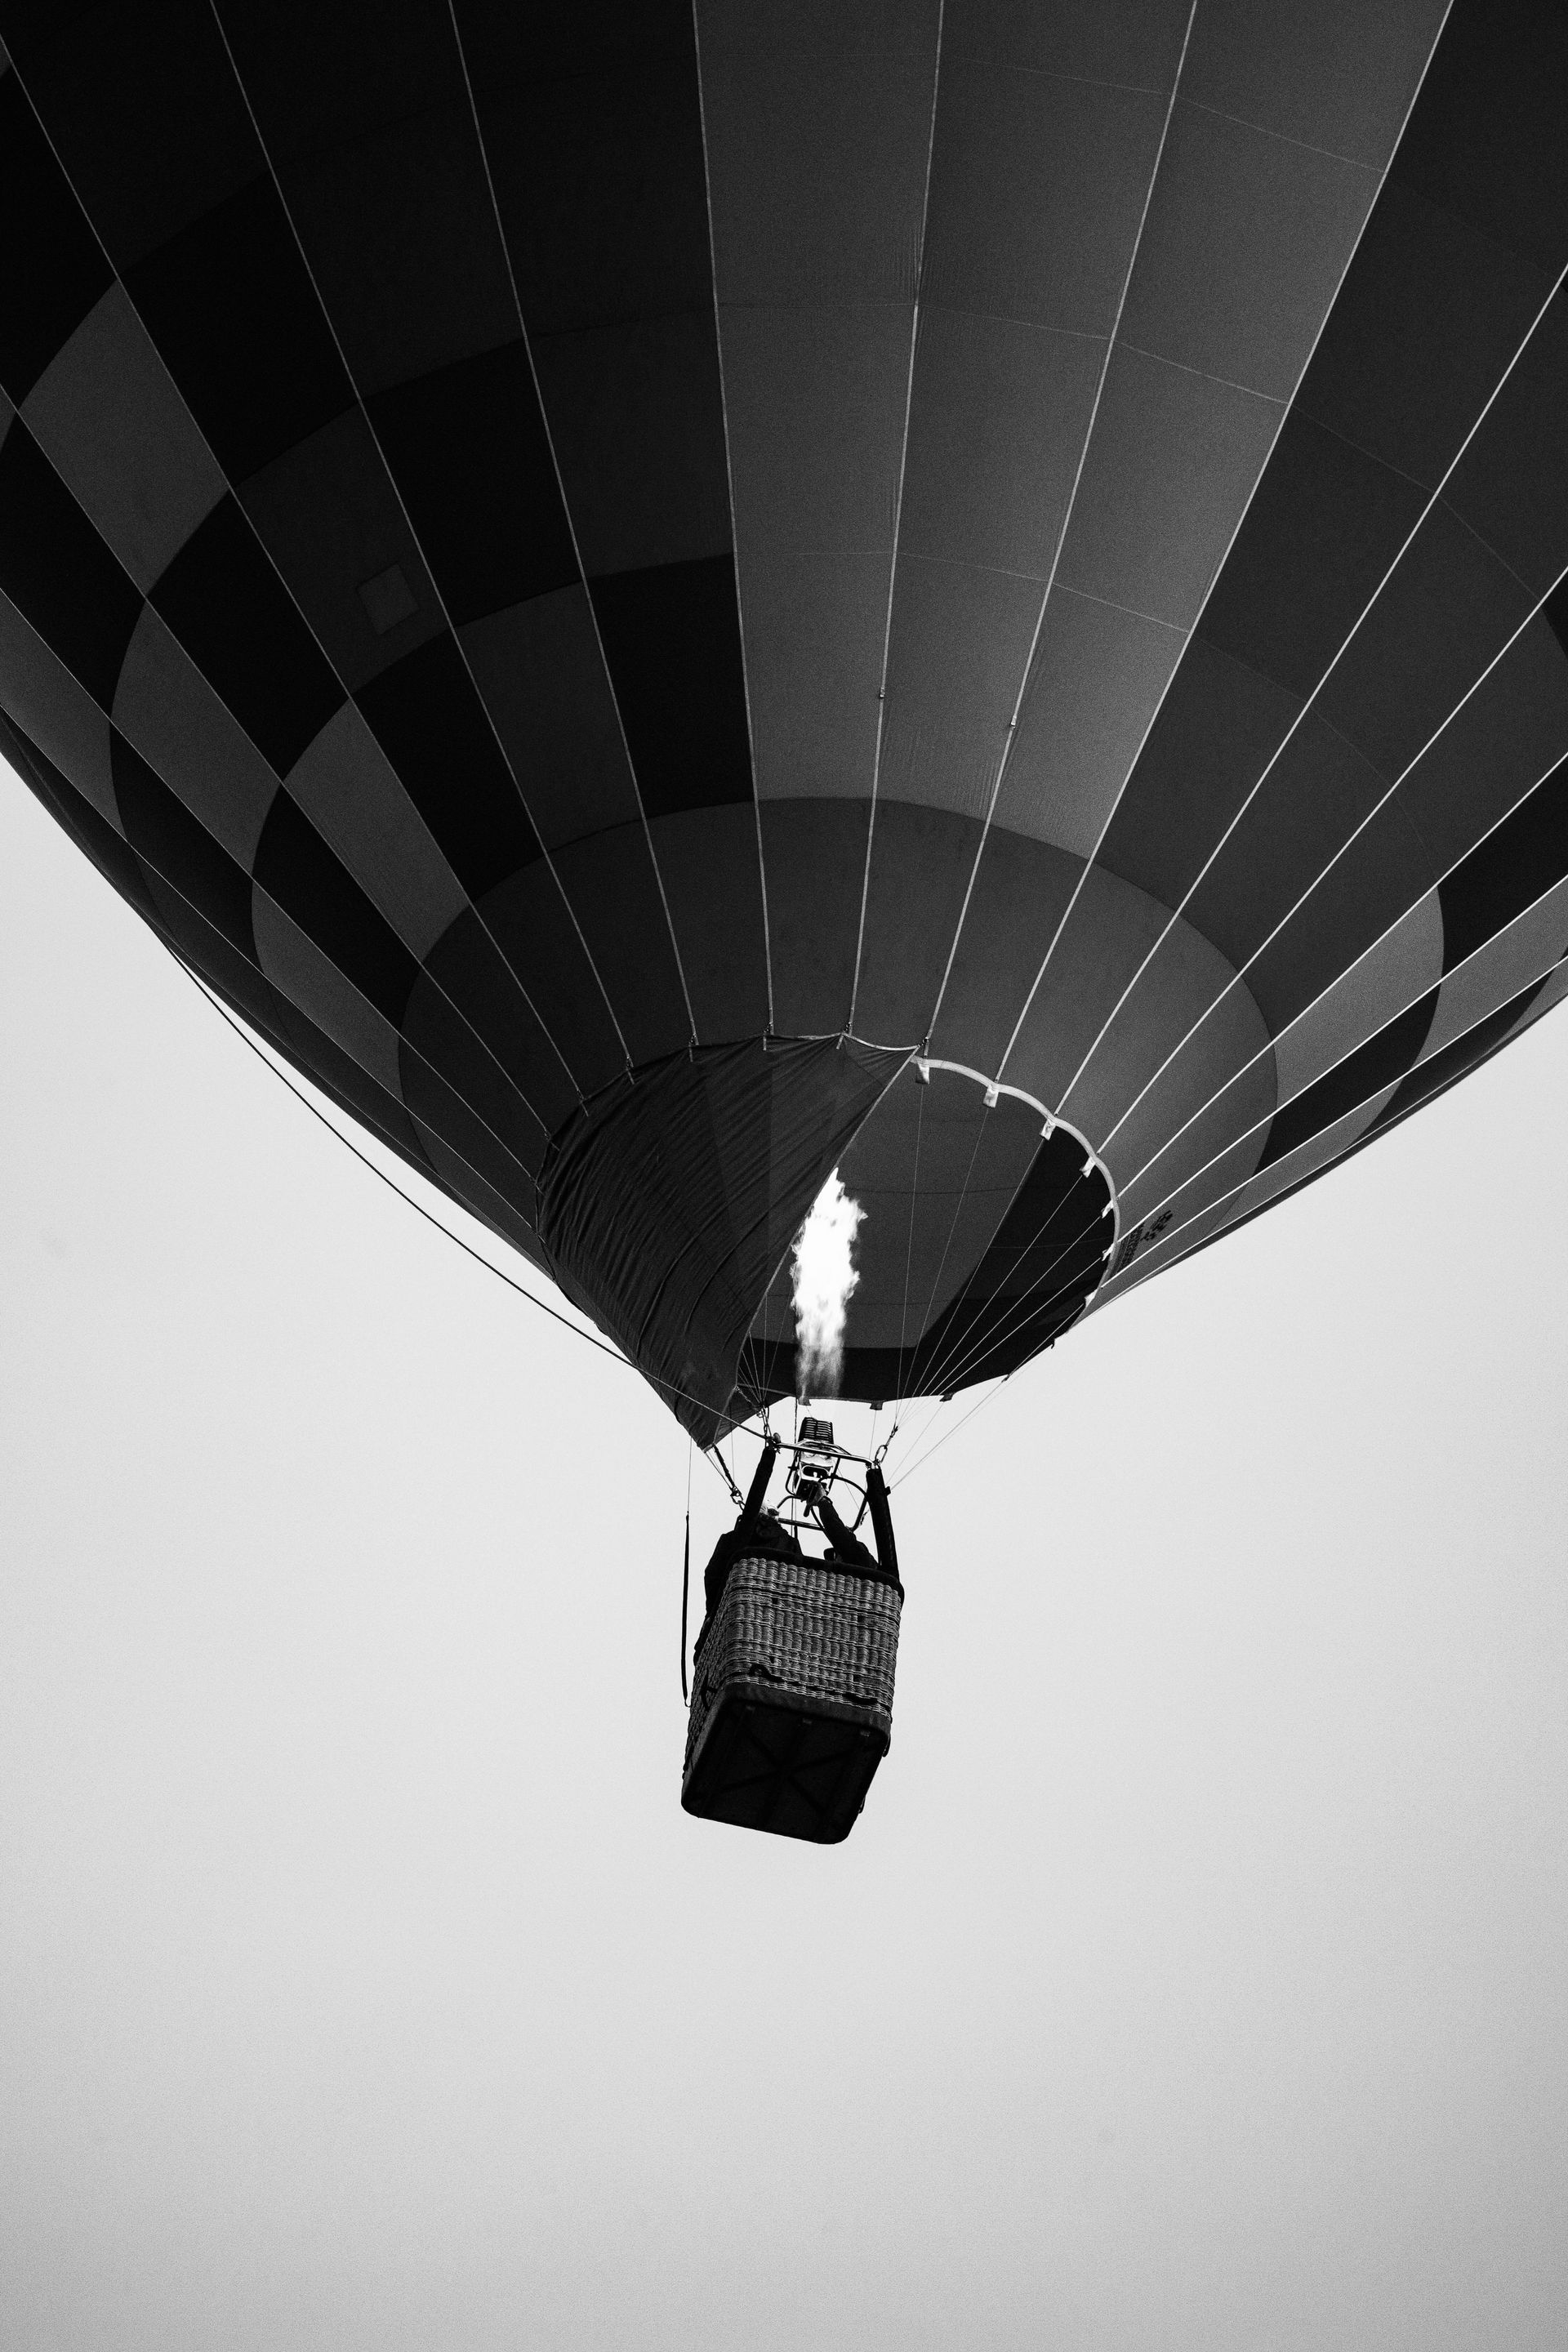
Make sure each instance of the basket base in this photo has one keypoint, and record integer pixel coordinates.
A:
(779, 1760)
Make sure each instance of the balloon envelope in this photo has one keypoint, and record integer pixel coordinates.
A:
(668, 600)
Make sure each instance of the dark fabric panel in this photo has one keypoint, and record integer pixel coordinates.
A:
(58, 572)
(224, 600)
(141, 101)
(592, 117)
(366, 120)
(177, 846)
(1450, 607)
(230, 305)
(814, 860)
(1324, 525)
(1220, 722)
(593, 123)
(1319, 790)
(1428, 317)
(339, 1078)
(471, 458)
(710, 866)
(1486, 140)
(427, 719)
(1511, 484)
(332, 522)
(441, 1060)
(468, 969)
(672, 639)
(1517, 863)
(613, 888)
(479, 1153)
(533, 925)
(52, 268)
(300, 873)
(1386, 871)
(668, 1201)
(1455, 1061)
(1383, 1060)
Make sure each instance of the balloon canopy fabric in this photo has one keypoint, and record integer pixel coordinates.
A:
(665, 599)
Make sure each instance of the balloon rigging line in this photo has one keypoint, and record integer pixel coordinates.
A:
(392, 1186)
(309, 626)
(730, 491)
(478, 1257)
(978, 1406)
(430, 570)
(1324, 993)
(566, 509)
(1288, 737)
(1012, 735)
(1091, 862)
(898, 513)
(1386, 1087)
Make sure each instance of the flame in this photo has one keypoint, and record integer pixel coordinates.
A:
(824, 1280)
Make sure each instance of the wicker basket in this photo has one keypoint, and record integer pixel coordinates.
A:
(792, 1707)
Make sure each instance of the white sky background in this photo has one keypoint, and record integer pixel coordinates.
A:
(1197, 1975)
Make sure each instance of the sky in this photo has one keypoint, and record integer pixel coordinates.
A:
(1197, 1975)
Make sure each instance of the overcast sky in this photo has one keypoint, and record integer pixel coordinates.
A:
(1196, 1977)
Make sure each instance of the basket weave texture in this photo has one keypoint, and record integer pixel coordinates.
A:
(816, 1631)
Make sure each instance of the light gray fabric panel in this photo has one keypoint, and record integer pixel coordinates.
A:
(1172, 466)
(310, 980)
(1246, 239)
(817, 122)
(62, 717)
(164, 707)
(1037, 184)
(1196, 981)
(107, 415)
(1333, 74)
(1097, 676)
(961, 640)
(540, 669)
(1135, 42)
(997, 418)
(346, 786)
(815, 627)
(815, 403)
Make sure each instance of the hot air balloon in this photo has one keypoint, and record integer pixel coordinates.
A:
(668, 601)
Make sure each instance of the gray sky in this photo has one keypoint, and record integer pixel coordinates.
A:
(1197, 1976)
